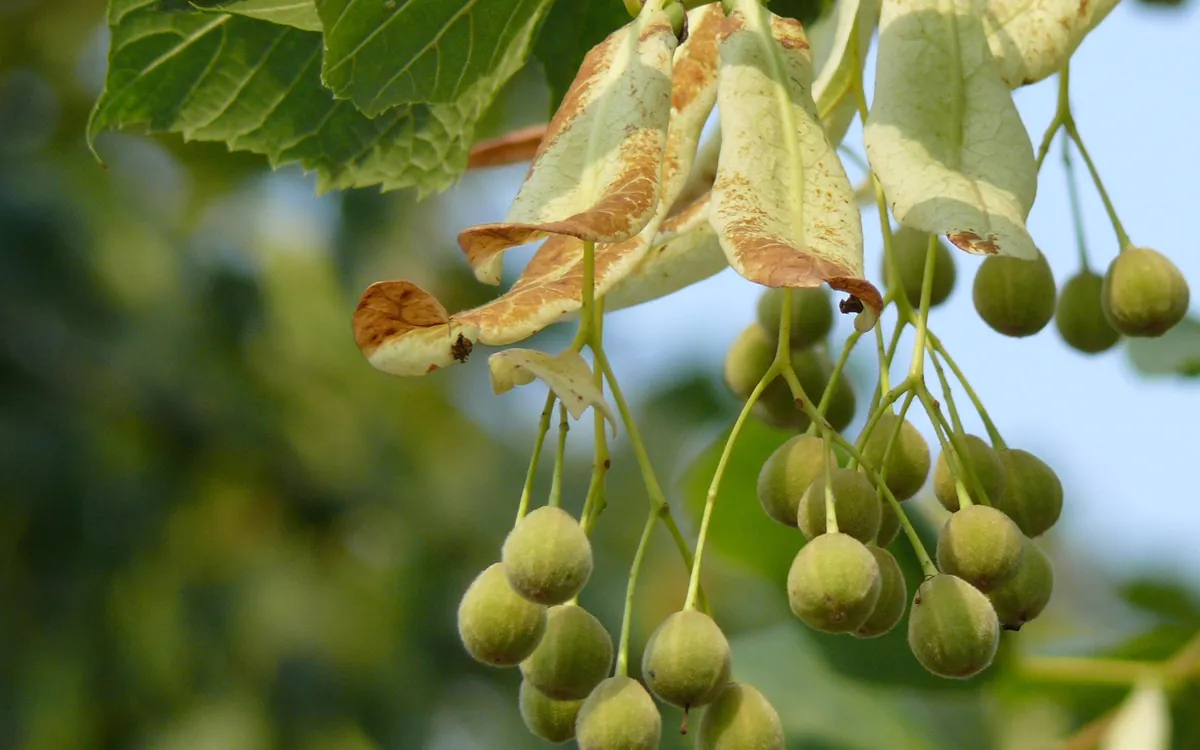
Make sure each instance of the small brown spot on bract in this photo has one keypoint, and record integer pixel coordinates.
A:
(973, 243)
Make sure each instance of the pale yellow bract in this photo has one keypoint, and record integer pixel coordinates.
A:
(597, 172)
(840, 41)
(566, 373)
(1032, 39)
(782, 206)
(943, 134)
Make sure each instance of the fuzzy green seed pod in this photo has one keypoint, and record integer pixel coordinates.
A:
(909, 247)
(1144, 293)
(908, 461)
(498, 626)
(1080, 317)
(547, 556)
(548, 719)
(812, 315)
(1025, 596)
(889, 525)
(740, 719)
(952, 629)
(859, 512)
(834, 583)
(574, 655)
(787, 473)
(618, 715)
(982, 546)
(893, 596)
(1015, 297)
(687, 661)
(748, 359)
(989, 470)
(1032, 496)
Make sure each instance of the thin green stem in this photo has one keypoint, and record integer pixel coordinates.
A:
(559, 458)
(947, 392)
(1073, 197)
(993, 433)
(1089, 671)
(658, 500)
(543, 428)
(596, 496)
(1122, 238)
(831, 524)
(635, 570)
(1062, 113)
(715, 486)
(886, 364)
(916, 370)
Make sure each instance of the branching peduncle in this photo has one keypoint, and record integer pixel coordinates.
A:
(1073, 197)
(543, 428)
(916, 370)
(559, 458)
(993, 433)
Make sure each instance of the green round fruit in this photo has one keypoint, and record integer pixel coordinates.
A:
(548, 719)
(889, 525)
(1025, 596)
(618, 715)
(907, 463)
(787, 473)
(982, 546)
(687, 661)
(574, 655)
(1015, 297)
(952, 629)
(893, 596)
(1144, 293)
(1080, 315)
(547, 556)
(1032, 496)
(988, 468)
(909, 247)
(812, 315)
(498, 626)
(748, 359)
(834, 583)
(859, 512)
(740, 719)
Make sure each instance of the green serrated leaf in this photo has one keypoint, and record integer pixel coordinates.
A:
(1176, 352)
(256, 87)
(383, 54)
(570, 30)
(299, 14)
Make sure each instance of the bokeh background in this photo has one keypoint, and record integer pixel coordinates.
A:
(220, 529)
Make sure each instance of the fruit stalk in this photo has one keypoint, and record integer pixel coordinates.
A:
(622, 667)
(543, 428)
(560, 453)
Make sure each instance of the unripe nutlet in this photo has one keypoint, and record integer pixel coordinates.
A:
(1025, 596)
(1015, 297)
(787, 473)
(547, 556)
(618, 715)
(548, 719)
(687, 660)
(986, 464)
(855, 504)
(980, 545)
(909, 247)
(1033, 495)
(1080, 317)
(575, 654)
(811, 318)
(907, 462)
(740, 719)
(834, 583)
(952, 629)
(893, 596)
(1144, 293)
(498, 626)
(748, 359)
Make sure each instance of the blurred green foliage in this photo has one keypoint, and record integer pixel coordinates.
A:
(220, 529)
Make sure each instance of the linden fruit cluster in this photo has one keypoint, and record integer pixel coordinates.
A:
(522, 611)
(990, 576)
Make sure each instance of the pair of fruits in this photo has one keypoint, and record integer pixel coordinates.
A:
(753, 351)
(1142, 294)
